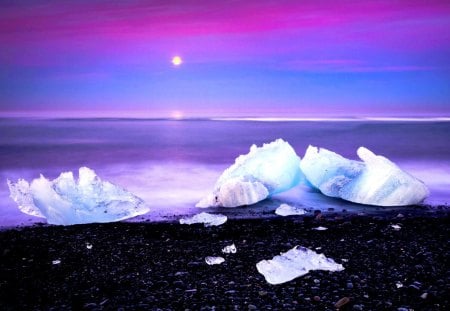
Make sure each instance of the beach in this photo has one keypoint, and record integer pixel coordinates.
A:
(393, 261)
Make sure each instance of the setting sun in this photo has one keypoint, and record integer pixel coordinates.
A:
(176, 60)
(177, 115)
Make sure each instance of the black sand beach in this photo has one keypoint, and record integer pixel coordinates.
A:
(162, 265)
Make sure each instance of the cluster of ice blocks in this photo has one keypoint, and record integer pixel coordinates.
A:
(263, 172)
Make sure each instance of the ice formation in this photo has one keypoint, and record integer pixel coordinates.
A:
(229, 249)
(205, 218)
(320, 228)
(288, 210)
(210, 260)
(294, 263)
(64, 201)
(375, 181)
(264, 171)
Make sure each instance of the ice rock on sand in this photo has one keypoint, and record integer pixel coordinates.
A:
(264, 171)
(294, 263)
(288, 210)
(375, 181)
(64, 201)
(206, 218)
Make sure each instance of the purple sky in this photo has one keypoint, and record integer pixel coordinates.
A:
(240, 58)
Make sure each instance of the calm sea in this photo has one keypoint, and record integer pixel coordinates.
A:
(171, 164)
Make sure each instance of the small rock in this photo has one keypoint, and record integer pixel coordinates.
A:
(424, 296)
(349, 285)
(316, 298)
(342, 302)
(252, 307)
(262, 293)
(194, 290)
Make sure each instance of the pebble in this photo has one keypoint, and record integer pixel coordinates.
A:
(341, 302)
(424, 296)
(252, 307)
(316, 298)
(349, 285)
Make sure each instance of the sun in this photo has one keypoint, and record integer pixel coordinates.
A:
(177, 61)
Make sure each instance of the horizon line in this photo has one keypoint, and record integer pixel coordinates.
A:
(249, 119)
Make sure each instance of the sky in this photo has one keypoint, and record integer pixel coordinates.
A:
(255, 58)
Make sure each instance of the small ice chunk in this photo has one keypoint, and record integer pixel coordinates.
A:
(264, 171)
(295, 263)
(56, 262)
(375, 181)
(396, 227)
(229, 249)
(320, 228)
(88, 245)
(66, 201)
(205, 218)
(288, 210)
(399, 284)
(210, 260)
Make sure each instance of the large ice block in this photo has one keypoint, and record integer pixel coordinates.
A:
(264, 171)
(64, 201)
(375, 181)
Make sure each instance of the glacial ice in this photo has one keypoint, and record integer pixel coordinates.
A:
(206, 218)
(64, 201)
(211, 260)
(288, 210)
(375, 181)
(320, 228)
(229, 249)
(264, 171)
(295, 263)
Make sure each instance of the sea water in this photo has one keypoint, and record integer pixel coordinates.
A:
(171, 164)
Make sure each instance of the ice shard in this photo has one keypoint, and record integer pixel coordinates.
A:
(295, 263)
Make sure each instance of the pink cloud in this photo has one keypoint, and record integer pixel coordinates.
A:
(214, 30)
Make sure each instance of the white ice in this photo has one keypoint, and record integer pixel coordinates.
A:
(375, 181)
(205, 218)
(229, 249)
(210, 260)
(320, 228)
(288, 210)
(295, 263)
(264, 171)
(65, 201)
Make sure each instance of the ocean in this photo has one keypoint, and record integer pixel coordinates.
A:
(171, 164)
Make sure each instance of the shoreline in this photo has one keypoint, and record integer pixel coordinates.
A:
(135, 265)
